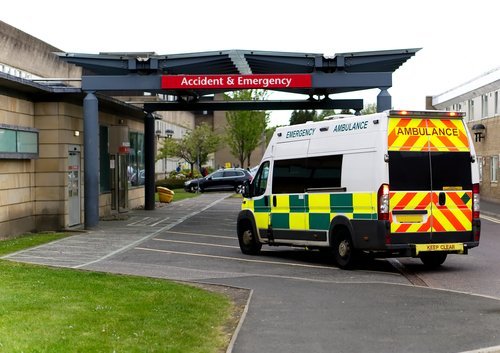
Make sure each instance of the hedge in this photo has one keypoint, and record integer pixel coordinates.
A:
(171, 183)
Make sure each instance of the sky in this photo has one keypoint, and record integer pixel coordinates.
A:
(458, 38)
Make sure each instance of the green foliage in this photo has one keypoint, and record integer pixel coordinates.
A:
(194, 147)
(326, 112)
(171, 183)
(302, 116)
(369, 109)
(245, 129)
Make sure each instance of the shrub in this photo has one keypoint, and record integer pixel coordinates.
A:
(171, 183)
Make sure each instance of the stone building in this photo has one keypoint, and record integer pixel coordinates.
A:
(479, 99)
(41, 141)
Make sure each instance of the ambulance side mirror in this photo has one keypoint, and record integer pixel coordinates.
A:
(245, 189)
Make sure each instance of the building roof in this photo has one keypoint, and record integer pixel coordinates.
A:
(485, 83)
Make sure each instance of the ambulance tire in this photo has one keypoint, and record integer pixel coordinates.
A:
(344, 253)
(433, 260)
(249, 244)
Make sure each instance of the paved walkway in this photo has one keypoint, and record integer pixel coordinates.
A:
(310, 309)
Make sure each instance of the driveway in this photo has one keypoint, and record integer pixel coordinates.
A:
(299, 301)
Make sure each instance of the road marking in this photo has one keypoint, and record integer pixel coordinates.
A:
(495, 349)
(196, 243)
(160, 221)
(491, 219)
(236, 258)
(139, 221)
(202, 235)
(149, 236)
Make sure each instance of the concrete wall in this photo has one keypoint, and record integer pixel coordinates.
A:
(17, 178)
(23, 51)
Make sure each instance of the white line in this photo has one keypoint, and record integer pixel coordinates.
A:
(163, 219)
(491, 219)
(236, 258)
(139, 221)
(240, 324)
(203, 235)
(137, 242)
(196, 243)
(495, 349)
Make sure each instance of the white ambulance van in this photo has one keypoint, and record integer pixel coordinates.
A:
(393, 184)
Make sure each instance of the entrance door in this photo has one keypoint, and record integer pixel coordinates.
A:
(74, 207)
(119, 182)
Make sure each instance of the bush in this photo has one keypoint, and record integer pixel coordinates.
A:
(171, 183)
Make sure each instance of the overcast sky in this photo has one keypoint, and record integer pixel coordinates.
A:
(459, 39)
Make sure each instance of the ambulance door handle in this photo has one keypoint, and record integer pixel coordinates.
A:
(442, 198)
(266, 201)
(274, 201)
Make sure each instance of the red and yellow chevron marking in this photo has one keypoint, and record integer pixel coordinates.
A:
(416, 134)
(454, 216)
(401, 201)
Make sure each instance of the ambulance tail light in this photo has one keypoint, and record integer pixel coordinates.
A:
(383, 202)
(475, 201)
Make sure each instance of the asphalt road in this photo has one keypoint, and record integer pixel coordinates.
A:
(300, 302)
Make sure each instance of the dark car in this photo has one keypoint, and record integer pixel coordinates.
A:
(222, 179)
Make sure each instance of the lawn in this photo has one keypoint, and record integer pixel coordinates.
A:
(61, 310)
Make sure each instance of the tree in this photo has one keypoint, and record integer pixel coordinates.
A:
(245, 129)
(369, 109)
(302, 116)
(325, 113)
(194, 147)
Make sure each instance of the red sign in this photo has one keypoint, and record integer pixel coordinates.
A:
(236, 81)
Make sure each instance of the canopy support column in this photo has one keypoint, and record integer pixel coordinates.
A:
(384, 100)
(149, 162)
(91, 160)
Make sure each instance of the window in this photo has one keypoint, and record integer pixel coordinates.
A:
(484, 105)
(306, 174)
(413, 170)
(259, 183)
(18, 142)
(496, 102)
(470, 110)
(480, 167)
(494, 169)
(136, 159)
(104, 170)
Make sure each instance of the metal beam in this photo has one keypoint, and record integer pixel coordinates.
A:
(356, 104)
(330, 82)
(91, 160)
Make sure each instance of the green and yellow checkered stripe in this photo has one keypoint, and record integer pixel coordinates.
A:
(313, 211)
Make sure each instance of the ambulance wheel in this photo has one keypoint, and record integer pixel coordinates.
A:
(343, 249)
(249, 244)
(433, 260)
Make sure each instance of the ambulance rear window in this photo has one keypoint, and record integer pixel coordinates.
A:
(412, 171)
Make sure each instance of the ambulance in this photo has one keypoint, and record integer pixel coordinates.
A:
(391, 184)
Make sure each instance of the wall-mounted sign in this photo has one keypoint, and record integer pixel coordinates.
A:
(236, 81)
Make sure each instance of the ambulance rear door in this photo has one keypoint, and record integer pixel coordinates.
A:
(430, 178)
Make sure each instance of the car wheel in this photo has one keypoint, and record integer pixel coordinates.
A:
(249, 244)
(343, 249)
(193, 188)
(433, 260)
(239, 189)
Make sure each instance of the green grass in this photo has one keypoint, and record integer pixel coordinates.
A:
(27, 241)
(62, 310)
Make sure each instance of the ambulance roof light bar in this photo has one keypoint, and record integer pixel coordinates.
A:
(427, 113)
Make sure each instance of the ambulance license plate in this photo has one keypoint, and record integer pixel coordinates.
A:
(409, 218)
(439, 247)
